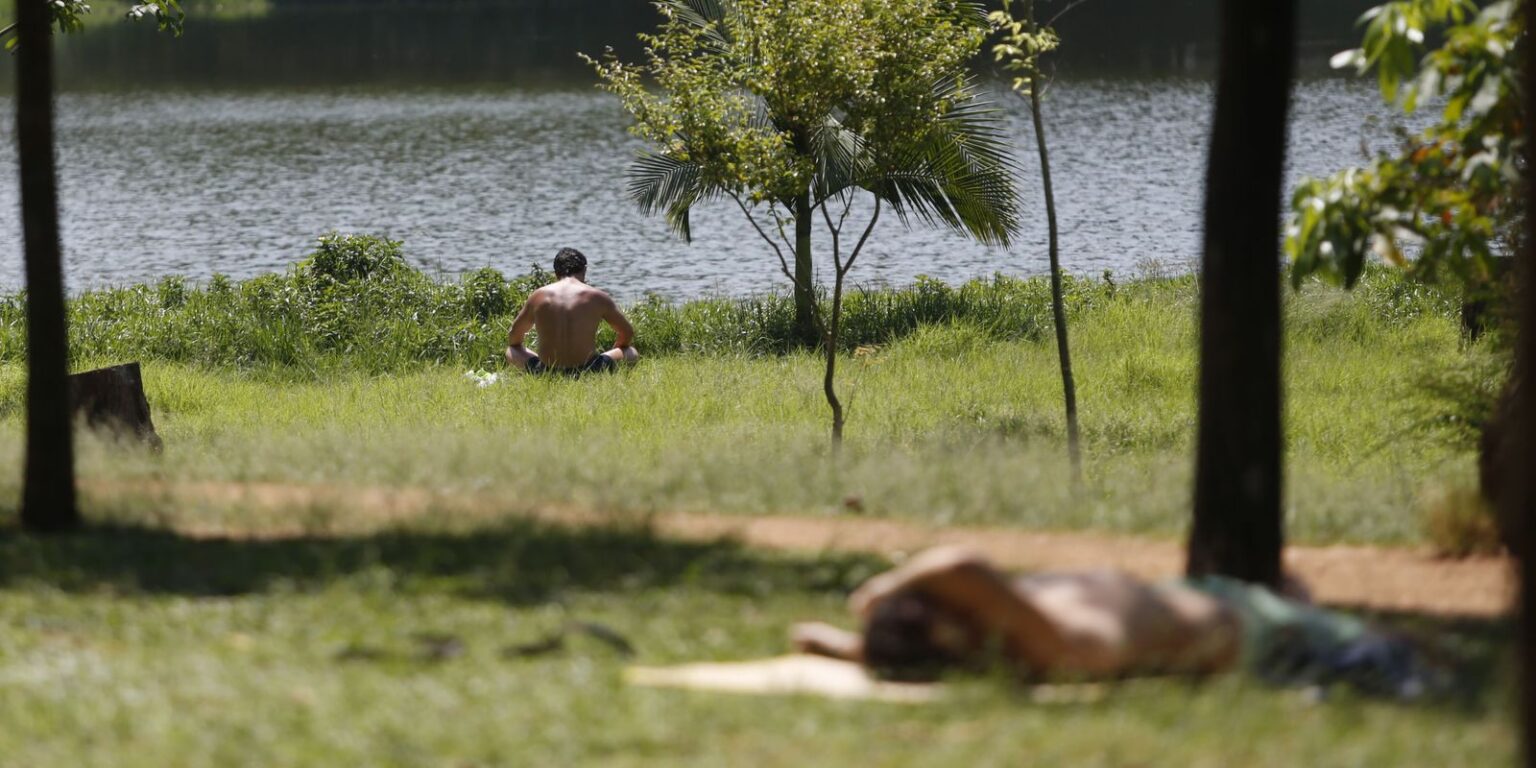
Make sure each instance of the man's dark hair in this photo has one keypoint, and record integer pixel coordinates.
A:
(569, 261)
(900, 639)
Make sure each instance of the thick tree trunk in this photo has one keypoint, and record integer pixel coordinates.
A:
(1519, 502)
(112, 400)
(1058, 305)
(805, 274)
(1238, 527)
(1498, 458)
(48, 492)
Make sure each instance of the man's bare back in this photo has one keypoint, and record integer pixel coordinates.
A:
(567, 315)
(1100, 624)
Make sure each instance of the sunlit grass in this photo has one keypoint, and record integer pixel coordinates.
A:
(295, 637)
(131, 647)
(949, 424)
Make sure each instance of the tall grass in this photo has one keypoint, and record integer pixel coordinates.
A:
(355, 303)
(950, 423)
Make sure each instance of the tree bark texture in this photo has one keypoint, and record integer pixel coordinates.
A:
(112, 400)
(48, 491)
(1238, 526)
(1058, 305)
(1519, 500)
(805, 275)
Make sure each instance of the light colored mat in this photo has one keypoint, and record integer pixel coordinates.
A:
(793, 674)
(800, 674)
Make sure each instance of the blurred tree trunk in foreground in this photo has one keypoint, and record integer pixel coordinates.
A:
(1238, 527)
(48, 493)
(1519, 498)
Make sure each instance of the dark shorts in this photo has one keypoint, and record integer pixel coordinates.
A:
(597, 363)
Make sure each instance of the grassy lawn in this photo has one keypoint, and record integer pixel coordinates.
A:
(138, 644)
(947, 425)
(139, 647)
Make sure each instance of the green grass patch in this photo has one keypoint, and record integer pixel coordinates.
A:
(140, 647)
(139, 644)
(952, 420)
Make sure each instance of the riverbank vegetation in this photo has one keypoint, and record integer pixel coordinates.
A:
(349, 370)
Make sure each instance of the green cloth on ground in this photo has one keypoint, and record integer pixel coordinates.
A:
(1277, 631)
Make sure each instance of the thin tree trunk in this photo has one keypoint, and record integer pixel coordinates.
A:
(1058, 308)
(48, 492)
(805, 277)
(834, 330)
(1238, 520)
(1520, 494)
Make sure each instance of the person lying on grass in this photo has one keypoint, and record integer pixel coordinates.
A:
(566, 314)
(949, 608)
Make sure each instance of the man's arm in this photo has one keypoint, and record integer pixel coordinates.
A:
(964, 582)
(523, 323)
(623, 332)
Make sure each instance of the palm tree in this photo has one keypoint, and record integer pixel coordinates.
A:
(1238, 525)
(959, 173)
(48, 494)
(956, 172)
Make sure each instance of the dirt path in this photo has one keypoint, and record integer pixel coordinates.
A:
(1373, 577)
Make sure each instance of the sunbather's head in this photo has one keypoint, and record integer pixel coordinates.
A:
(910, 636)
(570, 263)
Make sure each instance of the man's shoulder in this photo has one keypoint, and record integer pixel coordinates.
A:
(596, 295)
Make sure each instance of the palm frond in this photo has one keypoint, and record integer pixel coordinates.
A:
(661, 184)
(712, 17)
(961, 174)
(841, 159)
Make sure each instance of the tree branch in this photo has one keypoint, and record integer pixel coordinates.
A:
(837, 231)
(1064, 11)
(779, 222)
(862, 238)
(777, 251)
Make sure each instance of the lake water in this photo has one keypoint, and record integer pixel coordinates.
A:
(226, 172)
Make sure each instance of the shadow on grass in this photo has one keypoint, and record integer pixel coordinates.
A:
(527, 562)
(1478, 652)
(519, 562)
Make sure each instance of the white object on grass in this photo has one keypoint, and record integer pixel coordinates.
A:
(481, 378)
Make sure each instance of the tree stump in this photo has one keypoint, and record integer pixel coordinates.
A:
(112, 399)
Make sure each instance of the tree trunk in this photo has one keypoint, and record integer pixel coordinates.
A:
(834, 332)
(1238, 526)
(48, 490)
(1497, 459)
(1058, 308)
(1519, 501)
(805, 277)
(112, 400)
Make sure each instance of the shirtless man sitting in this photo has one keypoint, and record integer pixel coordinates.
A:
(949, 608)
(566, 314)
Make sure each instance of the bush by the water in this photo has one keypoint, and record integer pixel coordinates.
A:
(356, 302)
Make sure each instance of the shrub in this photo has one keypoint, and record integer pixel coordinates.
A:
(1458, 522)
(355, 302)
(348, 258)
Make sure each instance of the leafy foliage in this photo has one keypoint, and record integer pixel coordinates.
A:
(762, 102)
(1022, 43)
(346, 258)
(332, 311)
(1450, 193)
(68, 17)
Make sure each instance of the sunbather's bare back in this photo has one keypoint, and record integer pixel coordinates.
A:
(1094, 624)
(567, 314)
